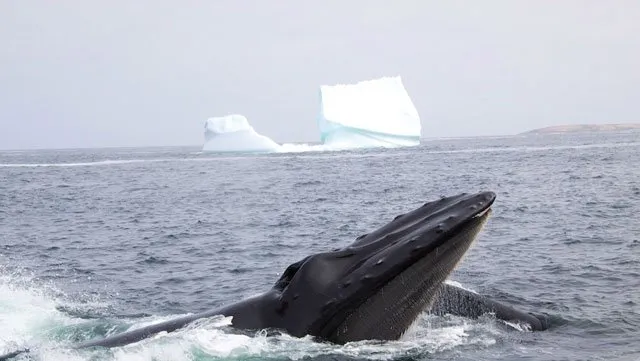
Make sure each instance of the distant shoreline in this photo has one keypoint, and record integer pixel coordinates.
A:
(575, 128)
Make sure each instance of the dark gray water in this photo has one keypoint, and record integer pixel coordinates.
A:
(97, 241)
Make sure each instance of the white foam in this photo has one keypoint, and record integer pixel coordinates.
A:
(233, 133)
(29, 317)
(459, 285)
(81, 164)
(25, 311)
(520, 326)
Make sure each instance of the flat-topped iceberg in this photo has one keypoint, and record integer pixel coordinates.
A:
(233, 133)
(371, 113)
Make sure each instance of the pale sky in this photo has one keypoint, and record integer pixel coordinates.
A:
(80, 73)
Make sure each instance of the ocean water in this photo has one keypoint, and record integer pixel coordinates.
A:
(97, 241)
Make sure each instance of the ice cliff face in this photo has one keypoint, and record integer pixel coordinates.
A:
(372, 113)
(233, 133)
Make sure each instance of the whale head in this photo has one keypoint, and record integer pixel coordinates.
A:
(376, 287)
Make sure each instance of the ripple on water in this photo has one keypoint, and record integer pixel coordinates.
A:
(127, 238)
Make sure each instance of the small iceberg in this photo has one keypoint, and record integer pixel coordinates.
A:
(233, 133)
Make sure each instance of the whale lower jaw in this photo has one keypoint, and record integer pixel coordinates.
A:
(391, 311)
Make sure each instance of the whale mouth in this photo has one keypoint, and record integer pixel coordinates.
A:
(377, 286)
(395, 305)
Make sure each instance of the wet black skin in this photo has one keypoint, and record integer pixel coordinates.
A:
(325, 294)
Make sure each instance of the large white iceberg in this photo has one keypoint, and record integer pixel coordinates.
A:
(233, 133)
(371, 113)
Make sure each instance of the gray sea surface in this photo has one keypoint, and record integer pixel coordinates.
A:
(97, 241)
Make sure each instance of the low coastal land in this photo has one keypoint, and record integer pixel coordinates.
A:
(575, 128)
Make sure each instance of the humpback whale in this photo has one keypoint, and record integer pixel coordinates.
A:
(372, 289)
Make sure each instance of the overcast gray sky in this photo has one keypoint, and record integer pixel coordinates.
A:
(135, 73)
